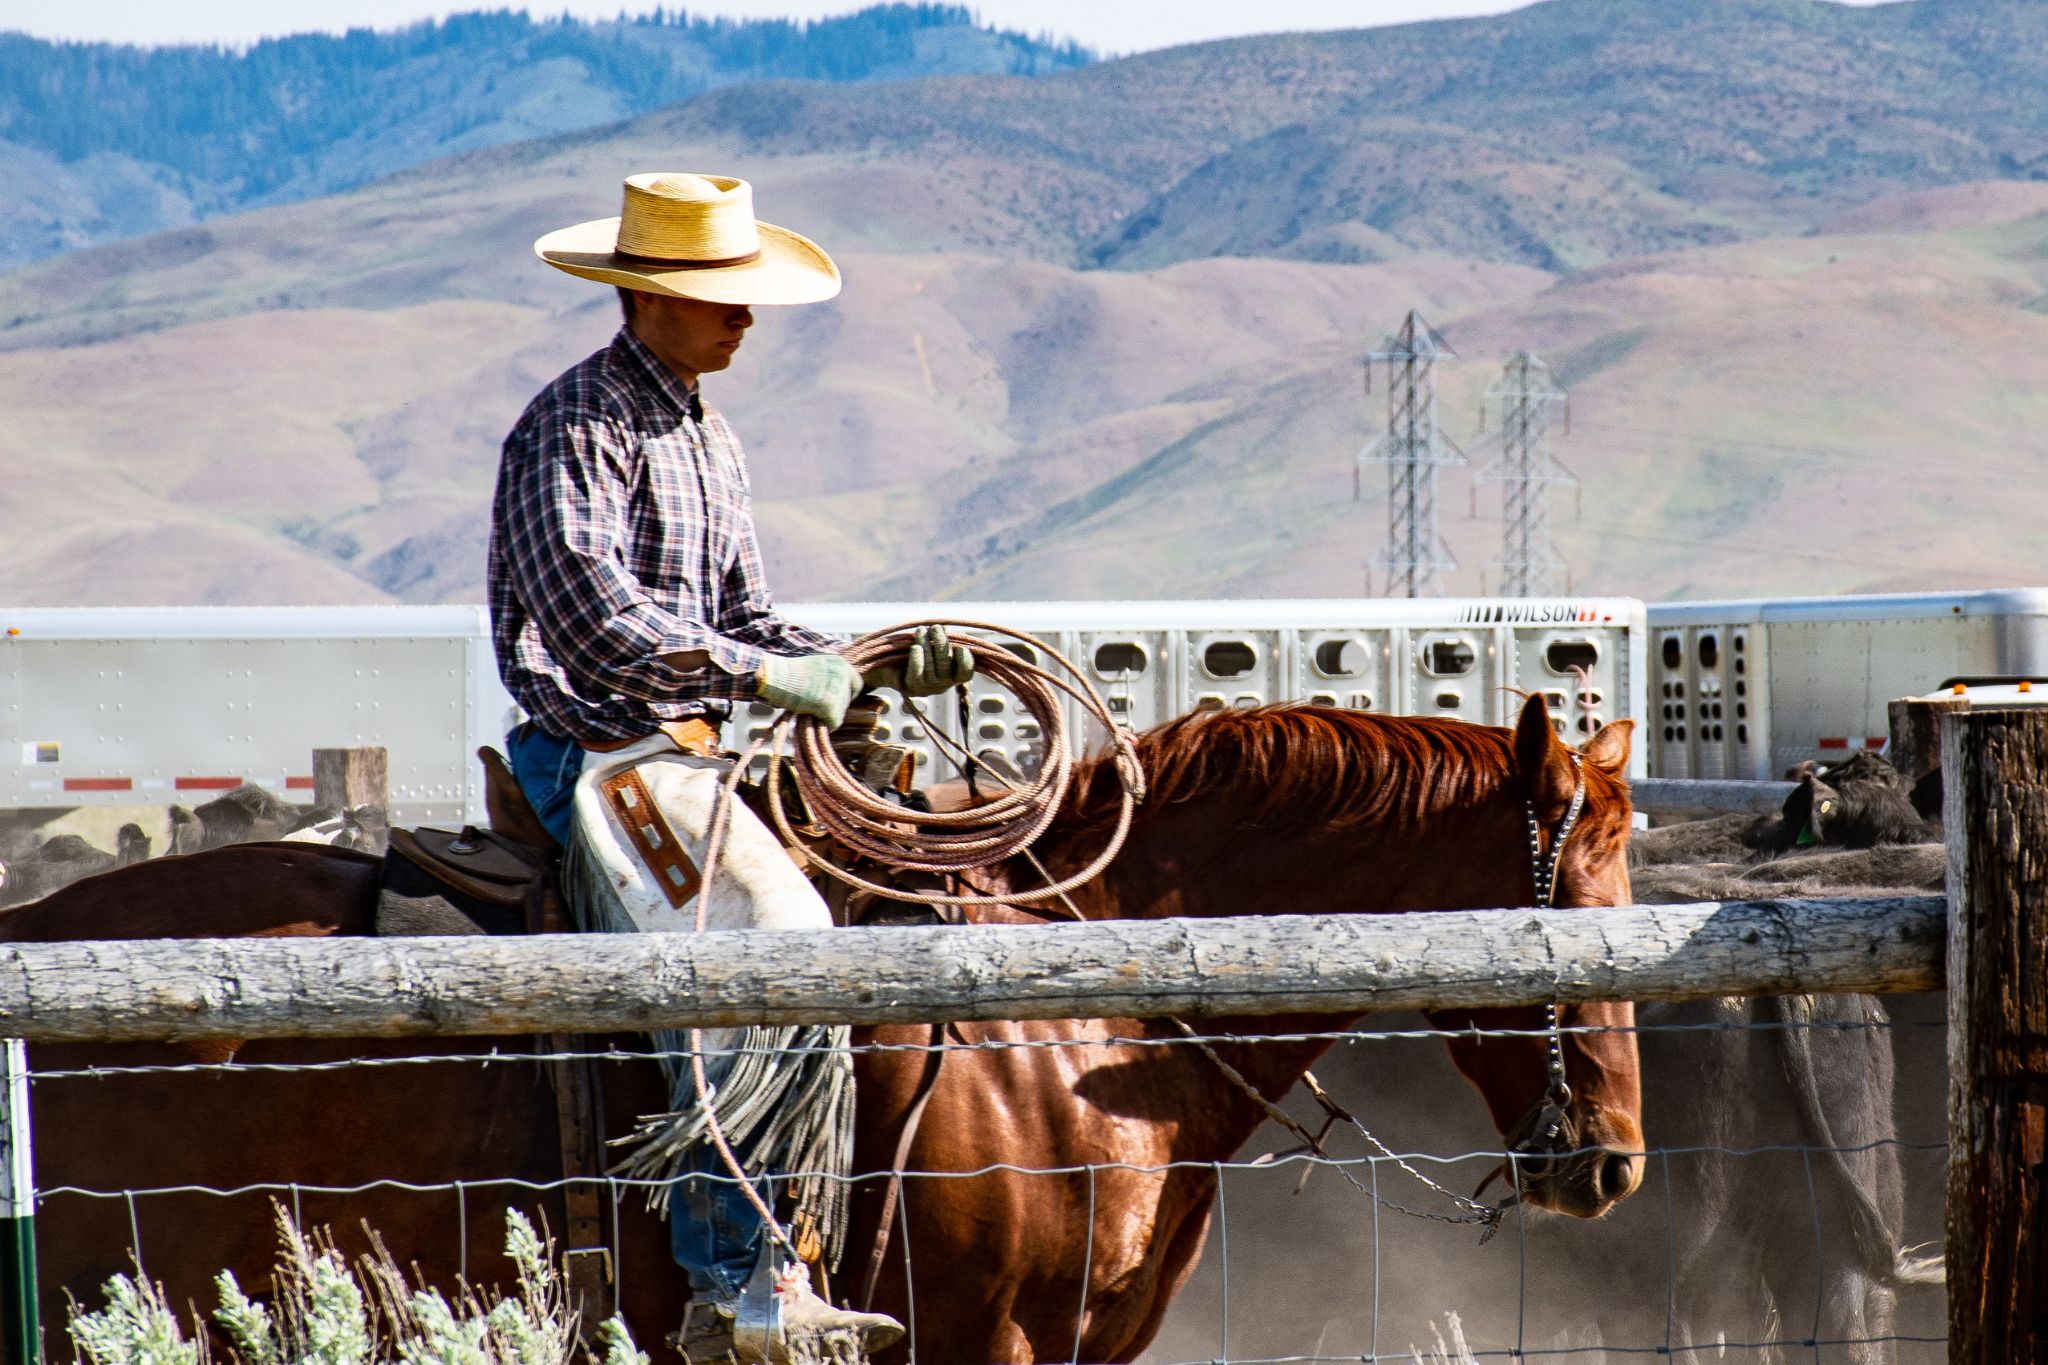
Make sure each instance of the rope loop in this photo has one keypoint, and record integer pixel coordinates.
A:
(1002, 827)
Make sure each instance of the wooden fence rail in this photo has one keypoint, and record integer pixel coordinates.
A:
(261, 988)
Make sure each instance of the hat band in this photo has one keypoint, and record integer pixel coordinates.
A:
(675, 263)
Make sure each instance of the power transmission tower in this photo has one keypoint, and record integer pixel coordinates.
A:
(1413, 449)
(1529, 565)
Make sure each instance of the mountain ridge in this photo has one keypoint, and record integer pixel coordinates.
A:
(1032, 386)
(106, 140)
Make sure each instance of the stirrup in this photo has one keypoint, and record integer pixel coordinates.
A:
(757, 1326)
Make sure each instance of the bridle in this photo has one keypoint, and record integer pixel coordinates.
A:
(1547, 1130)
(1545, 1133)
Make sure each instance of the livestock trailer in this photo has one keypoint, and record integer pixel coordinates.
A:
(1747, 689)
(1464, 658)
(135, 706)
(128, 706)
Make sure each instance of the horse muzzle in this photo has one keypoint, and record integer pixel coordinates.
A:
(1565, 1166)
(1585, 1183)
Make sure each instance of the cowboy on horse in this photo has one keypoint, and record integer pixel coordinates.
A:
(629, 607)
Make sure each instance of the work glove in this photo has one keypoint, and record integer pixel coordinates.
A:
(932, 665)
(821, 685)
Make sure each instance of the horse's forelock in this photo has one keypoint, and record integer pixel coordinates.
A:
(1310, 765)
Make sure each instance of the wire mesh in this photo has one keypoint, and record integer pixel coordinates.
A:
(1304, 1265)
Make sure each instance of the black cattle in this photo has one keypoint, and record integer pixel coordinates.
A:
(1861, 802)
(1773, 1203)
(57, 861)
(245, 815)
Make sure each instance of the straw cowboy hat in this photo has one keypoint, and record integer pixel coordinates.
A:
(694, 236)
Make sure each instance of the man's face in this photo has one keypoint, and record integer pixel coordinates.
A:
(691, 337)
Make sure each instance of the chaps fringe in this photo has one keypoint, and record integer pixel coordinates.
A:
(783, 1095)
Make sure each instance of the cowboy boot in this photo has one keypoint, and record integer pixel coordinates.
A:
(820, 1331)
(815, 1331)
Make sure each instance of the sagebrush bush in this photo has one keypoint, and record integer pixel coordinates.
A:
(328, 1312)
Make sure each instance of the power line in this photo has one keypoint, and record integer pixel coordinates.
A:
(1413, 448)
(1529, 565)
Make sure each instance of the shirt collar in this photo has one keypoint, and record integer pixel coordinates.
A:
(679, 398)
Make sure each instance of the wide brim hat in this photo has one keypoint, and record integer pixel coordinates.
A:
(695, 237)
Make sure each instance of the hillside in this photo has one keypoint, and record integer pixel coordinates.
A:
(99, 141)
(1778, 385)
(1862, 410)
(1556, 136)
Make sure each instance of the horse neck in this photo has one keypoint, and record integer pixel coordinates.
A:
(1203, 860)
(1200, 861)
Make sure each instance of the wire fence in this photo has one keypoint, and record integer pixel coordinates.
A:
(1741, 1242)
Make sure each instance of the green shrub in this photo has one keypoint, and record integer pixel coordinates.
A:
(328, 1312)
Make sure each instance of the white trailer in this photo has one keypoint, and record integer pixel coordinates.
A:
(154, 705)
(1466, 658)
(1747, 689)
(139, 706)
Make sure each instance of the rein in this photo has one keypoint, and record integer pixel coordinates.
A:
(1546, 1128)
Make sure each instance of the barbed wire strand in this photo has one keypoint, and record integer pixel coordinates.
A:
(1219, 1170)
(497, 1056)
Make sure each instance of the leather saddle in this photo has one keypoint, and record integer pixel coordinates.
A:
(512, 817)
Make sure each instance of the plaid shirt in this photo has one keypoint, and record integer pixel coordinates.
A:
(622, 531)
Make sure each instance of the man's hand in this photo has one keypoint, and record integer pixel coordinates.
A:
(932, 665)
(821, 685)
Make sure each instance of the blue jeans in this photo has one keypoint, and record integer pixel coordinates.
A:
(547, 769)
(714, 1233)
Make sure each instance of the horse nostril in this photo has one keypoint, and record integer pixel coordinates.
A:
(1611, 1177)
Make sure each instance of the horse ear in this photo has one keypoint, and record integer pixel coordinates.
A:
(1607, 750)
(1543, 762)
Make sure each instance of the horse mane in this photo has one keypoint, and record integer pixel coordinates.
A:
(1305, 766)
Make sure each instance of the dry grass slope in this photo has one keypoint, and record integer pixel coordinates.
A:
(1860, 410)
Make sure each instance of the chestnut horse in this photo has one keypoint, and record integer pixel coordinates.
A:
(1278, 810)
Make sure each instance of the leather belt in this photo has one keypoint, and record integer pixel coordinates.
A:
(692, 736)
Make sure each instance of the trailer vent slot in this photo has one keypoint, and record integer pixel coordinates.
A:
(1229, 659)
(1710, 651)
(1341, 658)
(1562, 656)
(1118, 658)
(1674, 652)
(1452, 658)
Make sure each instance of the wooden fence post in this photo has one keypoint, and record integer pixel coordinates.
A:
(19, 1326)
(1915, 748)
(347, 778)
(1996, 807)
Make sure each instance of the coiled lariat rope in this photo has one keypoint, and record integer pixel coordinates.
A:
(874, 827)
